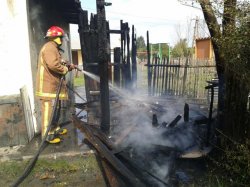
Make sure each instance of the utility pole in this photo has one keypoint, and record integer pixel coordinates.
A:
(196, 30)
(196, 34)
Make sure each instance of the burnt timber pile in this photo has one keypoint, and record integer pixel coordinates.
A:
(145, 140)
(137, 138)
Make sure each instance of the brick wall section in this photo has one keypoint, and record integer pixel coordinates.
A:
(12, 123)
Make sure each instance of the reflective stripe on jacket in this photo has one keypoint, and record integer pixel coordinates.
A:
(49, 72)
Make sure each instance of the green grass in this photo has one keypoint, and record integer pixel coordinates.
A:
(68, 170)
(79, 80)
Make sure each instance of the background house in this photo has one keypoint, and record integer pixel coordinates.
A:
(204, 49)
(75, 47)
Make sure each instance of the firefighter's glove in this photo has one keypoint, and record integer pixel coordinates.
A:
(70, 67)
(65, 70)
(64, 62)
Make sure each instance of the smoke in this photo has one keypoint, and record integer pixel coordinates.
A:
(135, 112)
(132, 129)
(36, 19)
(35, 12)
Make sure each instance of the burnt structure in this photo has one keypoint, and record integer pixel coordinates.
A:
(95, 46)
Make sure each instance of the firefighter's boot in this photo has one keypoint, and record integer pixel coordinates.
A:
(60, 131)
(51, 138)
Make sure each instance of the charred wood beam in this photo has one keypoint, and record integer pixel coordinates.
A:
(133, 58)
(90, 31)
(141, 172)
(155, 121)
(85, 105)
(175, 121)
(91, 64)
(186, 112)
(98, 133)
(212, 86)
(103, 57)
(121, 154)
(101, 4)
(106, 153)
(71, 14)
(117, 70)
(115, 31)
(72, 20)
(149, 66)
(113, 179)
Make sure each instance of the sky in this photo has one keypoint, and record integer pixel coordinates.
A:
(161, 18)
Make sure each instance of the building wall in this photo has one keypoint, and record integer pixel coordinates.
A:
(14, 44)
(15, 67)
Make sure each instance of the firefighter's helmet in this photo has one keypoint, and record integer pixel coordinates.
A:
(54, 31)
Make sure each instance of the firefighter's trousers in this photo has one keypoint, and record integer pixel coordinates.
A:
(46, 112)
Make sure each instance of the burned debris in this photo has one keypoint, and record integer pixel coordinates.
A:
(137, 138)
(144, 146)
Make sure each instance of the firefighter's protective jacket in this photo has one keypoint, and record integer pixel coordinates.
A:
(50, 69)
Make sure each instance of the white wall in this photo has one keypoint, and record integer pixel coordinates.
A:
(14, 50)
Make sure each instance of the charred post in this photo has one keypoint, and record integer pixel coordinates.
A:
(148, 64)
(155, 121)
(211, 86)
(128, 64)
(103, 65)
(186, 112)
(134, 63)
(175, 121)
(117, 67)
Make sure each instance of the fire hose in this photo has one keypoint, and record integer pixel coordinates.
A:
(44, 143)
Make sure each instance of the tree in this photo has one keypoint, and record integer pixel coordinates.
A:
(141, 48)
(181, 49)
(226, 37)
(140, 43)
(235, 44)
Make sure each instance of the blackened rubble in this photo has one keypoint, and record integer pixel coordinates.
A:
(148, 137)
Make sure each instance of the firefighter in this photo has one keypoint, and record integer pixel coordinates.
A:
(51, 67)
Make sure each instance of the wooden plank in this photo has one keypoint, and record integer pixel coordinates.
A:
(27, 112)
(12, 123)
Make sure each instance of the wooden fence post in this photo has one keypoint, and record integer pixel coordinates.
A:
(149, 67)
(134, 62)
(117, 68)
(103, 65)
